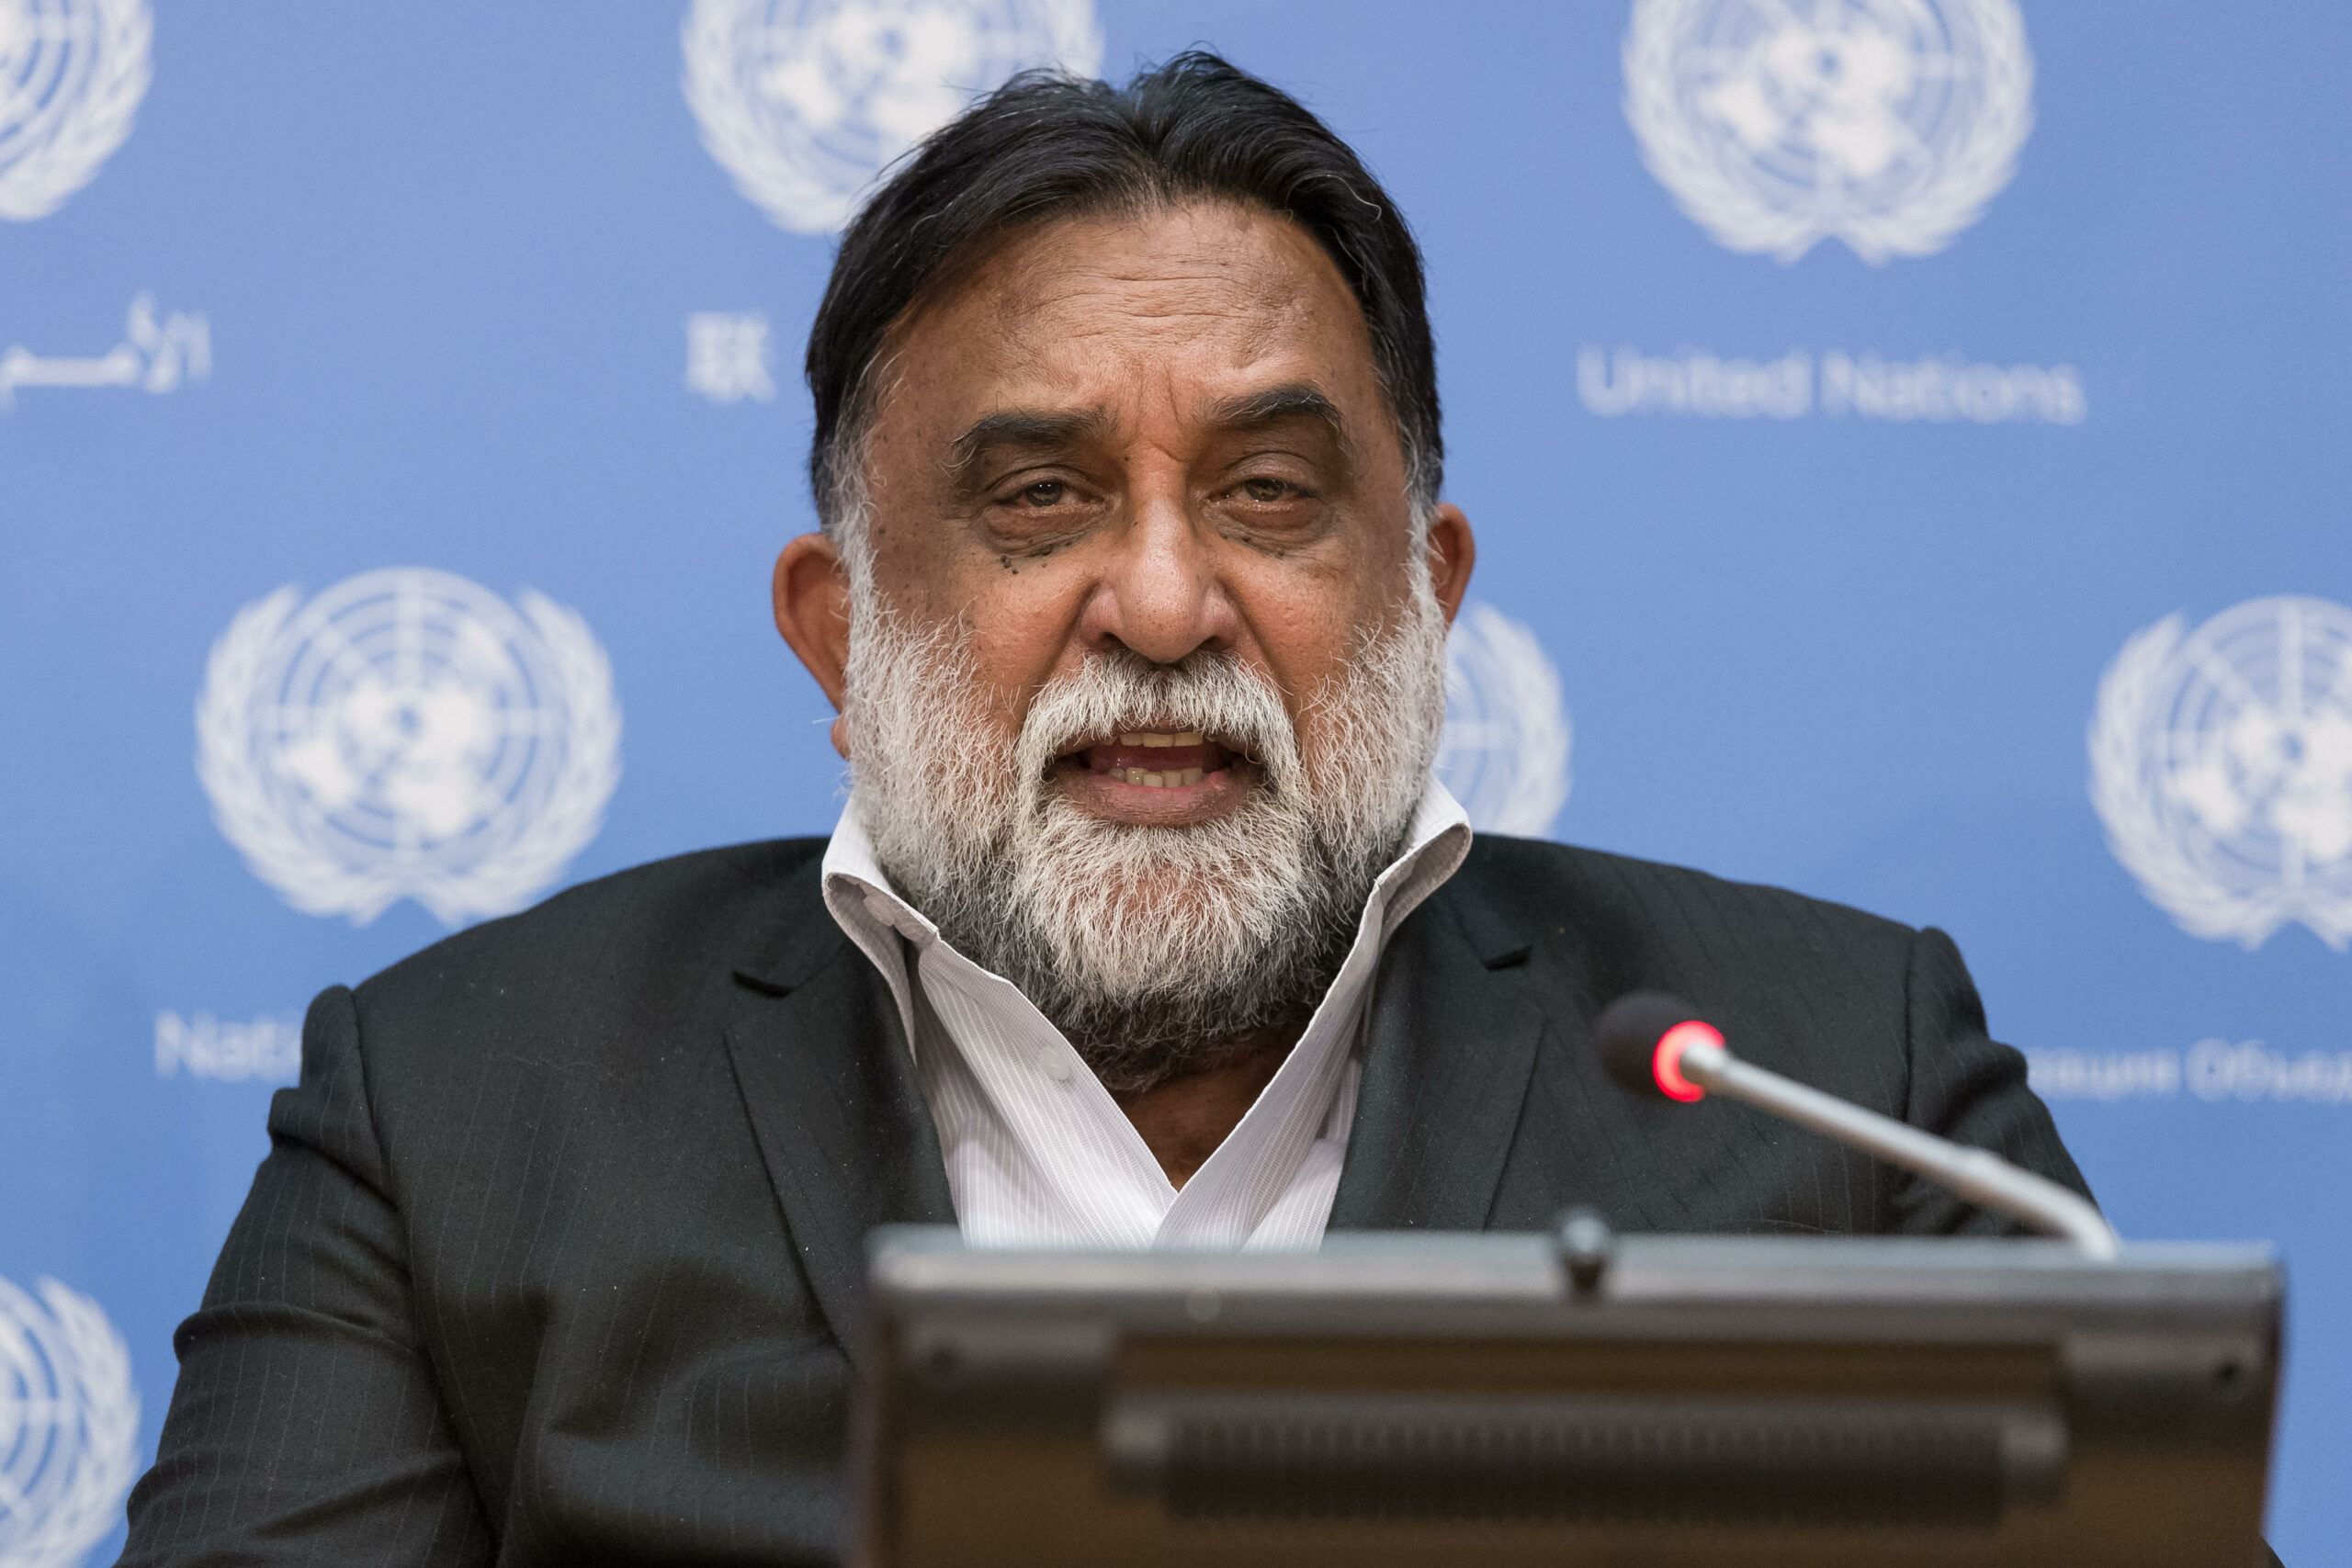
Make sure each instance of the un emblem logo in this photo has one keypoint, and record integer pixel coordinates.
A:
(1505, 751)
(2221, 765)
(69, 1427)
(804, 101)
(1776, 124)
(408, 735)
(71, 73)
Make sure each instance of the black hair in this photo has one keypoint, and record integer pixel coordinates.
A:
(1046, 146)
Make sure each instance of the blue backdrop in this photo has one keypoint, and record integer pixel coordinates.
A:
(1848, 395)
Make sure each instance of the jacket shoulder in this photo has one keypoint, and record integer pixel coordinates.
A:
(713, 907)
(1638, 911)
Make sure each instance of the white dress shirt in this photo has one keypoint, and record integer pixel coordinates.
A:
(1039, 1155)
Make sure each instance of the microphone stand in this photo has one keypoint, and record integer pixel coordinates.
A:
(1980, 1175)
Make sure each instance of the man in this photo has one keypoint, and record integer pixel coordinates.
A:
(1145, 924)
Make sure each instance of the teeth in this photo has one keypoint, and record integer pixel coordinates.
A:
(1169, 780)
(1189, 776)
(1189, 738)
(1154, 737)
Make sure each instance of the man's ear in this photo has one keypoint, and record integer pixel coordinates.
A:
(811, 595)
(1451, 552)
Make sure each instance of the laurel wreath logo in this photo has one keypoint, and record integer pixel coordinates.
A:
(1743, 211)
(61, 145)
(2208, 893)
(69, 1425)
(322, 874)
(1508, 738)
(801, 187)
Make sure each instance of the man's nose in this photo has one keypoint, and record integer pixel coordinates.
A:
(1161, 594)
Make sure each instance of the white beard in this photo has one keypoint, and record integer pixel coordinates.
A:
(1155, 950)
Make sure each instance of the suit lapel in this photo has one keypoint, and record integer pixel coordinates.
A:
(1483, 1104)
(822, 1063)
(1448, 1052)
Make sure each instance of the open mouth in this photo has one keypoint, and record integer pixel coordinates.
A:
(1171, 759)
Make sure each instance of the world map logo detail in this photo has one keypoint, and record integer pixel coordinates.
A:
(804, 102)
(1504, 750)
(72, 75)
(1776, 124)
(69, 1425)
(408, 733)
(2222, 767)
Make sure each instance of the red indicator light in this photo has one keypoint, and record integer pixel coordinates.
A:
(1665, 1066)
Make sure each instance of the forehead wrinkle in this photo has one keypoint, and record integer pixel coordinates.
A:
(1092, 307)
(1225, 290)
(1086, 276)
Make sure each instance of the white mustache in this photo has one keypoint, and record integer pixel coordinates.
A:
(1112, 694)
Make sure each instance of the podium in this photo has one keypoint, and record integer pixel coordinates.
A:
(1520, 1399)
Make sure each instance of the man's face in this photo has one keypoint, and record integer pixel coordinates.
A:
(1163, 433)
(1146, 670)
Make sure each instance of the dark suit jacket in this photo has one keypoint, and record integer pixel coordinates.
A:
(558, 1245)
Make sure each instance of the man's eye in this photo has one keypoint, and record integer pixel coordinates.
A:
(1044, 493)
(1268, 490)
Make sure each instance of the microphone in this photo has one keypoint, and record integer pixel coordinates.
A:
(1652, 1043)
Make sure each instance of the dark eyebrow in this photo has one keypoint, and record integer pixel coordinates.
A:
(1292, 399)
(1026, 429)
